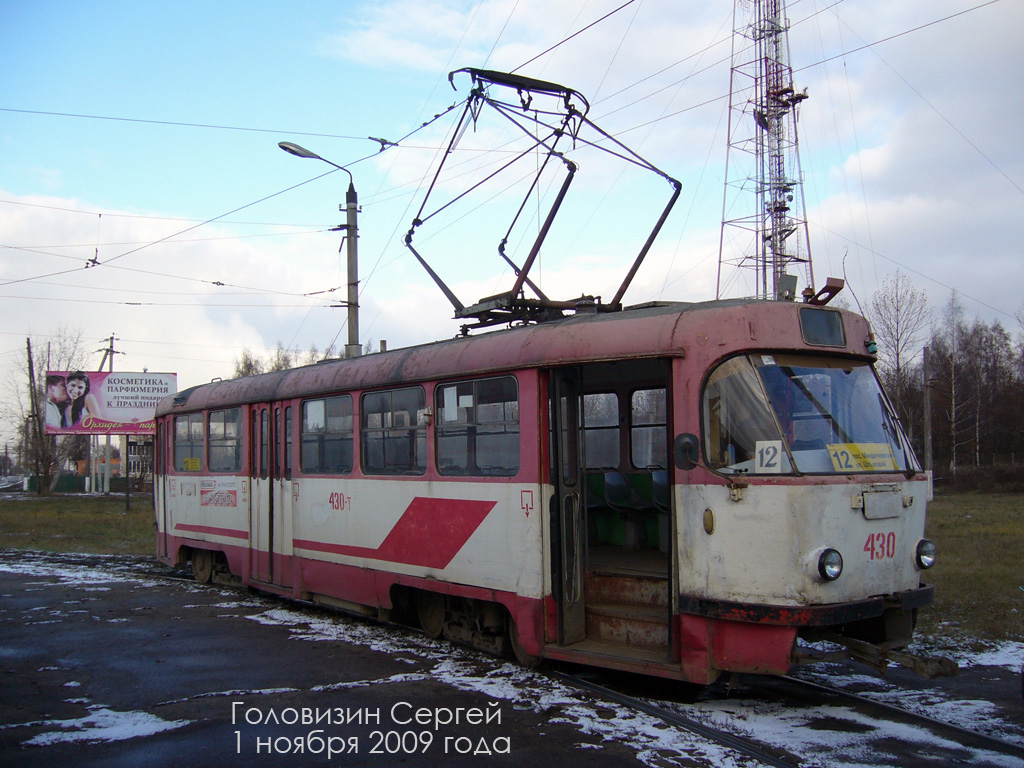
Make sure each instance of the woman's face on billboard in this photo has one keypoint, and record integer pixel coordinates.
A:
(76, 388)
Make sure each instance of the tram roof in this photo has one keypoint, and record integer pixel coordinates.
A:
(660, 329)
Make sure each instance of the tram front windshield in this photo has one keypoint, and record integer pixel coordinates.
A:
(786, 414)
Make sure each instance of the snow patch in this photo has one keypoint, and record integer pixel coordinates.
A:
(103, 724)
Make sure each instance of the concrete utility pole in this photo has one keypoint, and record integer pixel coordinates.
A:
(353, 348)
(928, 425)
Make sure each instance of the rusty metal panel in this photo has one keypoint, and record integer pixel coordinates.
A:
(704, 332)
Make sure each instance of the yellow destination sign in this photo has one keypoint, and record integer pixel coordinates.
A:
(862, 457)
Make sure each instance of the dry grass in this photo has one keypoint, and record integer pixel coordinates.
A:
(979, 575)
(78, 523)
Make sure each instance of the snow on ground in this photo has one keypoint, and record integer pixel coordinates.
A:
(468, 670)
(103, 724)
(1008, 656)
(42, 566)
(834, 735)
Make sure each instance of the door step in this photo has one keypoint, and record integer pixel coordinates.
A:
(614, 651)
(627, 611)
(617, 589)
(628, 625)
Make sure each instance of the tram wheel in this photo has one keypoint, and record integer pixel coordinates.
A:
(202, 565)
(528, 660)
(430, 611)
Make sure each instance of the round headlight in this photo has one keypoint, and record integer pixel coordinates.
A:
(830, 565)
(926, 552)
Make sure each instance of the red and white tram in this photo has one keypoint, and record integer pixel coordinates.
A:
(675, 489)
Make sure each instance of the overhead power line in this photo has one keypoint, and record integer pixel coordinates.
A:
(184, 124)
(112, 214)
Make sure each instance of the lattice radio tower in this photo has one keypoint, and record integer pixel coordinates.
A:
(764, 229)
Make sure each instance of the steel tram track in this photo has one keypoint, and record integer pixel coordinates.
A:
(981, 740)
(964, 737)
(736, 743)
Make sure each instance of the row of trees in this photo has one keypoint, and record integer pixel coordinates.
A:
(975, 378)
(249, 363)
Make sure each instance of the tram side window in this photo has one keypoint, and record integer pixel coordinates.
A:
(225, 440)
(649, 428)
(601, 430)
(477, 430)
(327, 436)
(394, 432)
(188, 443)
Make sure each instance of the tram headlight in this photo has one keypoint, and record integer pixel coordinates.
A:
(830, 565)
(925, 555)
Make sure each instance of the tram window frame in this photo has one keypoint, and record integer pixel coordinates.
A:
(637, 427)
(598, 427)
(477, 431)
(264, 443)
(224, 441)
(326, 442)
(393, 431)
(188, 442)
(822, 327)
(288, 443)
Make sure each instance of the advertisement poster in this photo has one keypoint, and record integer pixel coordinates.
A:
(102, 403)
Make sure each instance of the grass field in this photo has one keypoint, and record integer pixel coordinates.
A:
(78, 523)
(979, 577)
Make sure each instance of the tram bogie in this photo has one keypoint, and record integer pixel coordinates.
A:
(678, 490)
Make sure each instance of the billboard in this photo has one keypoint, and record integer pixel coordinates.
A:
(102, 403)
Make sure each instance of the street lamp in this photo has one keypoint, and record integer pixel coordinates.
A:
(353, 348)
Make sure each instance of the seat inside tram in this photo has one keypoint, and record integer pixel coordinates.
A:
(625, 429)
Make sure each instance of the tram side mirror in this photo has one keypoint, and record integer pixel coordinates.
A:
(686, 451)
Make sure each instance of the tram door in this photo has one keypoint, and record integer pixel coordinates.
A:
(270, 497)
(261, 497)
(569, 504)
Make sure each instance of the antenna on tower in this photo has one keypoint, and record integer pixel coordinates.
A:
(764, 228)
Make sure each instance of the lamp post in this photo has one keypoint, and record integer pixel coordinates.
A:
(353, 348)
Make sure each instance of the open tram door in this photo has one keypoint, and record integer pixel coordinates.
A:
(611, 517)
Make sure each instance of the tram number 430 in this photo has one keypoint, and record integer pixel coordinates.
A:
(339, 501)
(881, 546)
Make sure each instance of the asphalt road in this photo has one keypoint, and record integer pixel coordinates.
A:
(108, 661)
(106, 669)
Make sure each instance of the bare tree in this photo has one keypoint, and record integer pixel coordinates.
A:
(26, 398)
(251, 364)
(951, 379)
(282, 359)
(248, 364)
(899, 315)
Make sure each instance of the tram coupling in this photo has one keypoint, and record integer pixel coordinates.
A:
(877, 656)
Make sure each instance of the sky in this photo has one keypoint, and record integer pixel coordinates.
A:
(142, 194)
